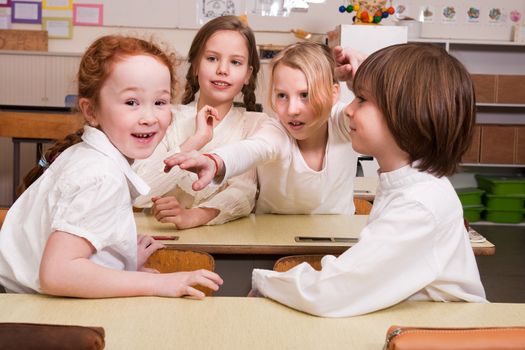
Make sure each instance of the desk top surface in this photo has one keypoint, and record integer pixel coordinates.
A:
(39, 125)
(264, 234)
(271, 234)
(365, 187)
(243, 323)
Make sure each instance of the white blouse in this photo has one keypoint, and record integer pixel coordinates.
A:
(234, 198)
(414, 247)
(87, 191)
(287, 184)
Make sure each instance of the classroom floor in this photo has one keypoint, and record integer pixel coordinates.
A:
(503, 274)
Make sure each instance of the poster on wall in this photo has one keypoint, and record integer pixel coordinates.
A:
(88, 14)
(473, 14)
(209, 9)
(57, 28)
(5, 22)
(26, 12)
(5, 3)
(449, 14)
(57, 4)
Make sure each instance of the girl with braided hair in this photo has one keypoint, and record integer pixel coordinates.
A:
(223, 62)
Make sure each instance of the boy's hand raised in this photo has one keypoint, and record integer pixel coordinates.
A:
(193, 161)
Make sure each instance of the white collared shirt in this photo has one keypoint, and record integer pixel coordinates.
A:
(235, 198)
(414, 247)
(287, 184)
(87, 191)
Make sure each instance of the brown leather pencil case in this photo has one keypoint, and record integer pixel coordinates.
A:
(25, 336)
(482, 338)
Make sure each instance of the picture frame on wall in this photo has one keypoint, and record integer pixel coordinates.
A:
(26, 12)
(57, 27)
(5, 3)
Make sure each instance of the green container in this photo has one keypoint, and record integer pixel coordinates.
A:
(501, 184)
(470, 196)
(504, 216)
(473, 212)
(504, 202)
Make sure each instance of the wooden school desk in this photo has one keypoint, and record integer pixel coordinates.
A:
(243, 323)
(35, 127)
(365, 187)
(257, 241)
(271, 234)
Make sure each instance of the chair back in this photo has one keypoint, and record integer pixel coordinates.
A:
(3, 213)
(176, 260)
(362, 207)
(287, 262)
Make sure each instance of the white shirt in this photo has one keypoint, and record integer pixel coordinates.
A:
(87, 191)
(414, 247)
(235, 198)
(287, 184)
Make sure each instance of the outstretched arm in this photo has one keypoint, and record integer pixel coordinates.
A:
(66, 270)
(205, 168)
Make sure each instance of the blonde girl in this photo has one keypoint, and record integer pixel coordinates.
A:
(298, 158)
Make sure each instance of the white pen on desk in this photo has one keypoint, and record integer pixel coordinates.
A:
(362, 191)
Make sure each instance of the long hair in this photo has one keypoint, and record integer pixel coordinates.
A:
(197, 46)
(428, 100)
(317, 64)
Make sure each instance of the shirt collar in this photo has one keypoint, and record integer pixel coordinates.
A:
(100, 142)
(406, 175)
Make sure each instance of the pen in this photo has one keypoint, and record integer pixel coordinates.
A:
(165, 238)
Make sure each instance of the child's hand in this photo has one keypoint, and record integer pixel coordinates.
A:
(146, 246)
(204, 123)
(254, 293)
(195, 162)
(180, 284)
(347, 61)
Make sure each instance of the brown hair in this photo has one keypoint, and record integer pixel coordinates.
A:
(317, 64)
(427, 99)
(95, 67)
(197, 46)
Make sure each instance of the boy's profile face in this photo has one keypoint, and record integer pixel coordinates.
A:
(368, 128)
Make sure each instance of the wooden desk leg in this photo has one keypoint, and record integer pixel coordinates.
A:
(16, 166)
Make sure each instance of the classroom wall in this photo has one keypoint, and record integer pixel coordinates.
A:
(175, 22)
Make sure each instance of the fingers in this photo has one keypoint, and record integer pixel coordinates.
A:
(148, 270)
(193, 292)
(203, 181)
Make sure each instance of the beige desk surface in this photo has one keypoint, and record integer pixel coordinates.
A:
(243, 323)
(365, 187)
(270, 234)
(262, 234)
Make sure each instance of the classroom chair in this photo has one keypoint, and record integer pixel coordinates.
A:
(362, 207)
(177, 260)
(3, 213)
(287, 262)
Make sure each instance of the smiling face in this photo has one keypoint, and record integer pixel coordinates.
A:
(134, 105)
(223, 68)
(292, 105)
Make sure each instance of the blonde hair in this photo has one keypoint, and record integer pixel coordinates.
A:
(317, 64)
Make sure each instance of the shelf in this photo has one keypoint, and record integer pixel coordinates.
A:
(468, 42)
(477, 165)
(501, 105)
(490, 223)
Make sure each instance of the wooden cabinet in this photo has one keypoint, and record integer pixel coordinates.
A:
(36, 78)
